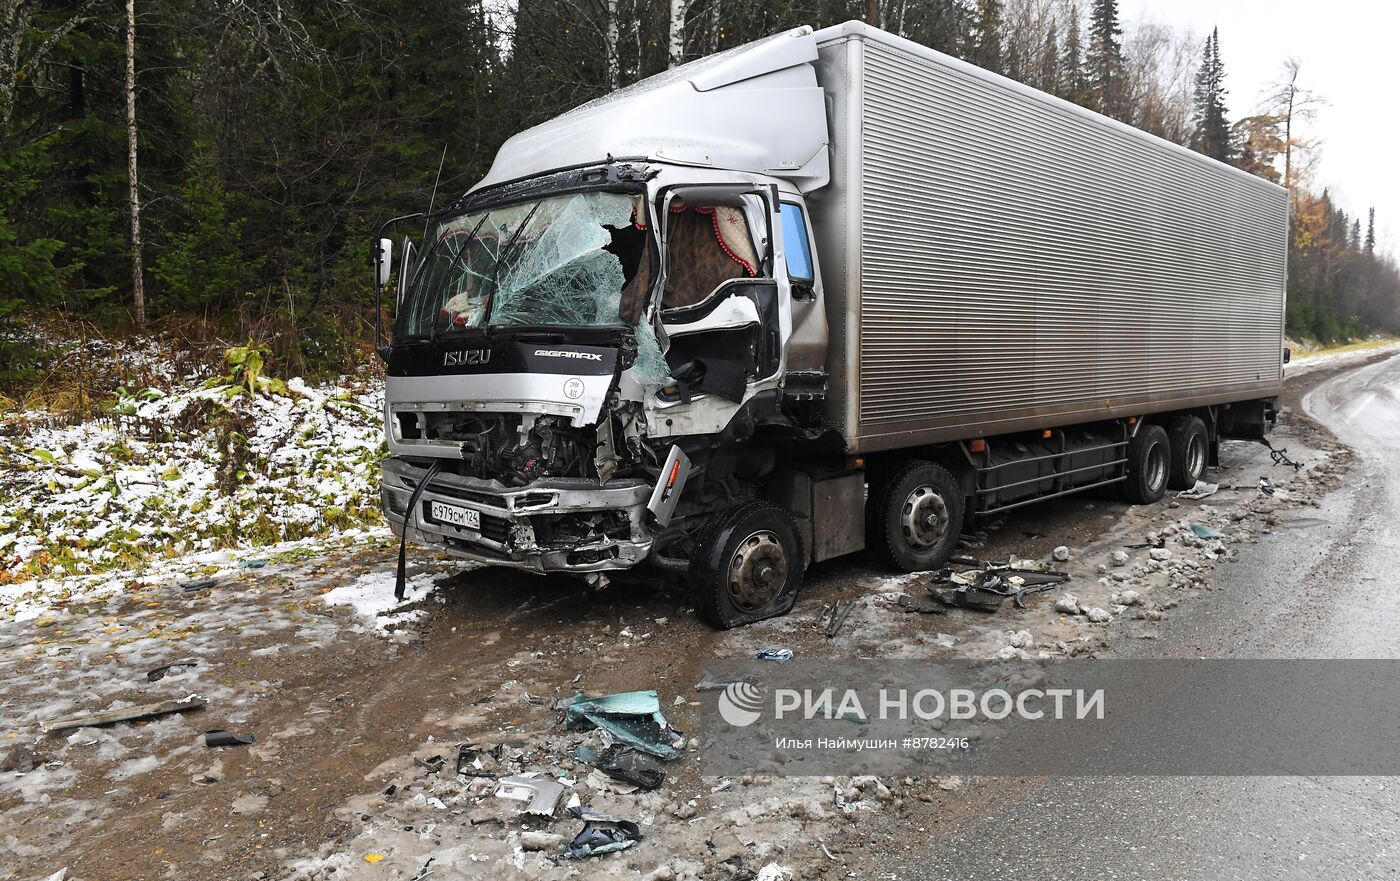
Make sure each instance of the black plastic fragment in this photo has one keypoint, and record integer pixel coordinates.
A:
(220, 737)
(159, 673)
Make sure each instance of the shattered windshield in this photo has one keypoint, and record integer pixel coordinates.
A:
(569, 260)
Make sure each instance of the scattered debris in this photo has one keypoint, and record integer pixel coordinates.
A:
(633, 717)
(1266, 486)
(711, 682)
(834, 616)
(432, 764)
(1098, 615)
(197, 586)
(601, 834)
(1120, 558)
(1280, 455)
(987, 586)
(916, 604)
(1200, 491)
(540, 795)
(1068, 604)
(1160, 554)
(774, 654)
(1060, 554)
(470, 760)
(1203, 531)
(626, 764)
(945, 640)
(251, 564)
(126, 714)
(220, 737)
(159, 673)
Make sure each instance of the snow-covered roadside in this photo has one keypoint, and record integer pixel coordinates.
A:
(185, 472)
(1306, 363)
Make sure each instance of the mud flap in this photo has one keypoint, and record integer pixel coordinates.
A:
(409, 514)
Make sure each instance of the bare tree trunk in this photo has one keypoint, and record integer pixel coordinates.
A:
(872, 13)
(677, 32)
(138, 291)
(713, 35)
(614, 67)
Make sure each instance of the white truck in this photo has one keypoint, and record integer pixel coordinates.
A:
(825, 292)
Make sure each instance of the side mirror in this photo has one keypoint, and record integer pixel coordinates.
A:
(384, 261)
(1287, 354)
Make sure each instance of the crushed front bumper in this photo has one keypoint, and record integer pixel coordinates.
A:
(552, 525)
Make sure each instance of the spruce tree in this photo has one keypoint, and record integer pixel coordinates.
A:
(1073, 84)
(1212, 128)
(1105, 58)
(986, 36)
(1371, 232)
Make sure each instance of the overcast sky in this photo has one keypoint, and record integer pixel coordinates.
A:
(1348, 52)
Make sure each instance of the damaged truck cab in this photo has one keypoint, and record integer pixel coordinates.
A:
(618, 348)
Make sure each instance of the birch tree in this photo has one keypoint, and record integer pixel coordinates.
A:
(138, 290)
(20, 54)
(676, 44)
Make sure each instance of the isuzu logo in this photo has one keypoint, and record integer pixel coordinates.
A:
(558, 353)
(466, 357)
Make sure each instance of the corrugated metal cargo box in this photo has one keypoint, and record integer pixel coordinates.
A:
(997, 259)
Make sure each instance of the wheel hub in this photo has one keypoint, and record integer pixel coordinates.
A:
(924, 518)
(758, 570)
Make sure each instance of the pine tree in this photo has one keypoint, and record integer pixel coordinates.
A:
(1073, 83)
(1371, 232)
(1105, 58)
(1212, 129)
(1048, 76)
(987, 37)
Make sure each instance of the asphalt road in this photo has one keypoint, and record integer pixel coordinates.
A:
(1321, 586)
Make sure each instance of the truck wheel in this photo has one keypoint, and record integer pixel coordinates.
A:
(914, 517)
(1187, 438)
(747, 566)
(1149, 459)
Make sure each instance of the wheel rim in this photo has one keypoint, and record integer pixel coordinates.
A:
(1156, 467)
(924, 518)
(1196, 457)
(758, 571)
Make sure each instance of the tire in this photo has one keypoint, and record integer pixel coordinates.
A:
(1149, 460)
(1189, 445)
(747, 566)
(898, 528)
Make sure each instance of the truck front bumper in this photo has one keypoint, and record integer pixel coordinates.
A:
(552, 525)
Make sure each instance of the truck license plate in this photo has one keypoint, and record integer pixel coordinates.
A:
(463, 517)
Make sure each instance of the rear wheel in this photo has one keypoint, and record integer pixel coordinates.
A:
(748, 565)
(1149, 459)
(914, 517)
(1188, 441)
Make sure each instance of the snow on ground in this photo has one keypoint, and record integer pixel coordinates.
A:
(189, 471)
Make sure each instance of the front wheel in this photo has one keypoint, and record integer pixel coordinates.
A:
(914, 518)
(747, 566)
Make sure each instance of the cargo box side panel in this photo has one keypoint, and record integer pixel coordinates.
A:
(1024, 265)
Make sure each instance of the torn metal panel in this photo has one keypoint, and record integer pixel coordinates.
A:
(632, 717)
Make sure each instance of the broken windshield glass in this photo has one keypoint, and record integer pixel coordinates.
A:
(563, 260)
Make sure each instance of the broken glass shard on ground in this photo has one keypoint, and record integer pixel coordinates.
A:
(632, 717)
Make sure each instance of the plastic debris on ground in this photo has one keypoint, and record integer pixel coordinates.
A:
(1266, 486)
(986, 585)
(220, 737)
(159, 673)
(1200, 491)
(626, 764)
(632, 717)
(1203, 531)
(774, 654)
(918, 604)
(711, 682)
(541, 796)
(601, 834)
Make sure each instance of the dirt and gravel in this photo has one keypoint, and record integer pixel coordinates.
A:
(344, 690)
